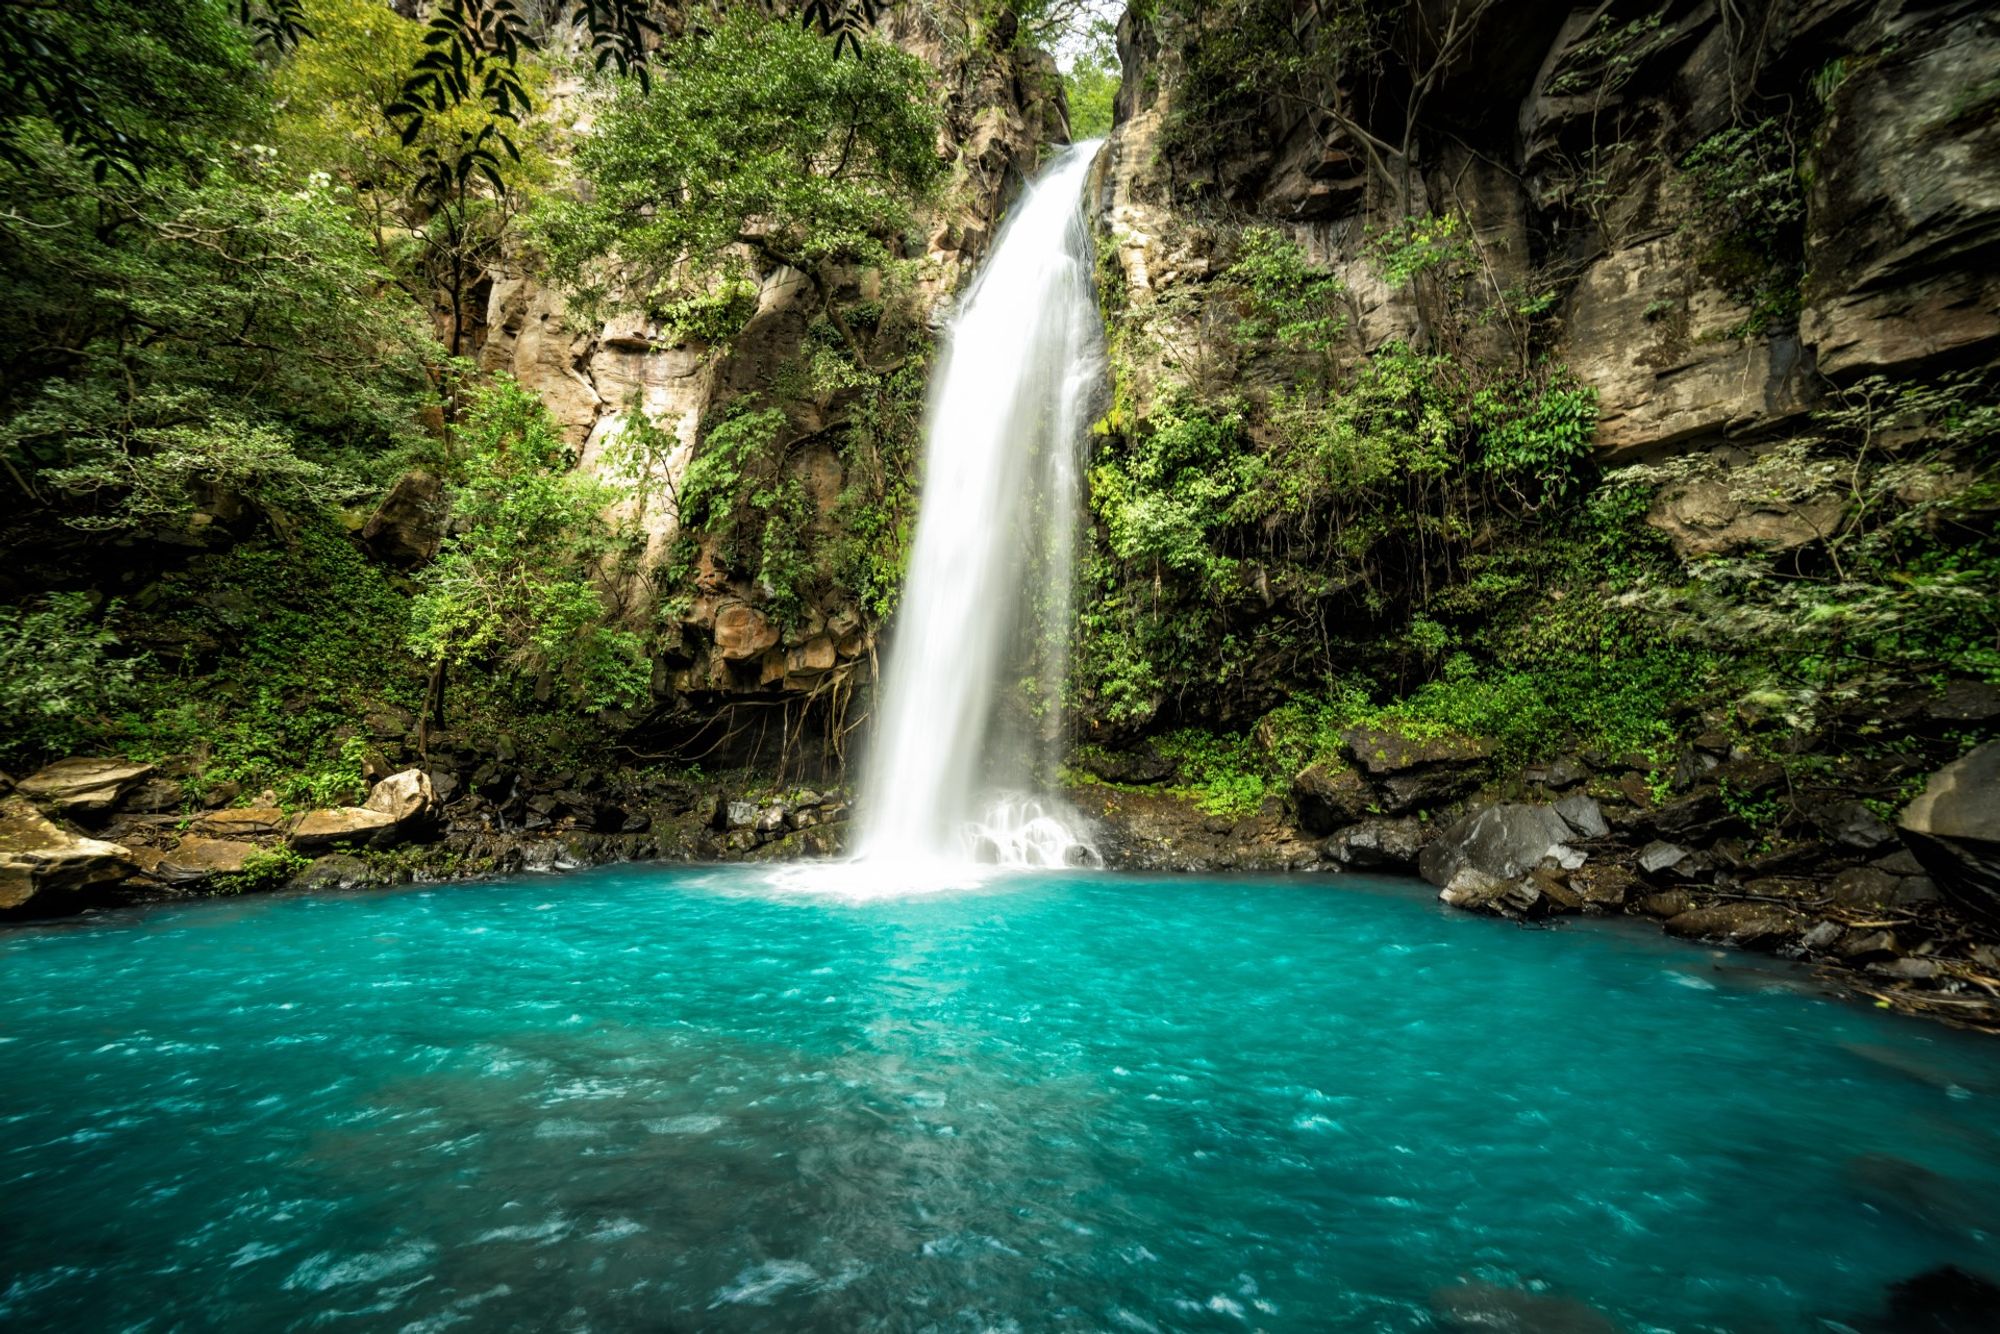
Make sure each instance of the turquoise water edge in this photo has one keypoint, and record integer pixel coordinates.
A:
(651, 1098)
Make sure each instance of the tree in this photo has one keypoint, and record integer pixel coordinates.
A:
(756, 134)
(515, 587)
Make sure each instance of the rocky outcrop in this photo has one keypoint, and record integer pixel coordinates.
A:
(1584, 193)
(40, 862)
(1953, 827)
(83, 788)
(351, 826)
(408, 522)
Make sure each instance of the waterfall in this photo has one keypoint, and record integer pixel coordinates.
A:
(986, 601)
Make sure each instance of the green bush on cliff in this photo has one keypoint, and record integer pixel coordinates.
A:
(59, 678)
(518, 588)
(265, 658)
(753, 131)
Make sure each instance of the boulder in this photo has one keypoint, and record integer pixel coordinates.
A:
(83, 788)
(1140, 765)
(334, 871)
(195, 859)
(1584, 815)
(1865, 887)
(1377, 845)
(1329, 795)
(1416, 770)
(37, 858)
(1852, 825)
(1603, 886)
(1658, 856)
(405, 797)
(1953, 828)
(1505, 841)
(408, 524)
(348, 824)
(1667, 903)
(240, 822)
(1757, 924)
(742, 632)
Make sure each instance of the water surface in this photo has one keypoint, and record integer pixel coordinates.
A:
(647, 1098)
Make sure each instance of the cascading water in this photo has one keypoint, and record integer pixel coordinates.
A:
(989, 575)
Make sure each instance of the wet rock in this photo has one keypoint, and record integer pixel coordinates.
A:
(1562, 773)
(83, 789)
(738, 814)
(1822, 935)
(334, 871)
(1506, 841)
(1897, 214)
(1603, 885)
(1584, 815)
(1966, 702)
(1953, 828)
(242, 822)
(1669, 903)
(38, 860)
(1908, 969)
(195, 859)
(155, 796)
(1413, 771)
(1868, 946)
(1947, 1300)
(1486, 1308)
(1757, 924)
(1899, 1186)
(357, 825)
(771, 820)
(1140, 765)
(1851, 824)
(1377, 845)
(1660, 856)
(1864, 887)
(1331, 795)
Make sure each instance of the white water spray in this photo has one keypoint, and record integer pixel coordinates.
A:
(990, 571)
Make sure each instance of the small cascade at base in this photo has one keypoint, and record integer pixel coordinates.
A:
(987, 600)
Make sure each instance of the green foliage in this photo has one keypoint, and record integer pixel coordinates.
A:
(751, 118)
(1164, 501)
(267, 657)
(1285, 300)
(59, 680)
(516, 587)
(1226, 775)
(717, 477)
(127, 86)
(1536, 437)
(1403, 250)
(1090, 85)
(1749, 215)
(230, 331)
(266, 868)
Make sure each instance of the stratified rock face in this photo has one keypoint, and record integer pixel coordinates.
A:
(38, 859)
(83, 788)
(1656, 343)
(1953, 827)
(1589, 201)
(1903, 242)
